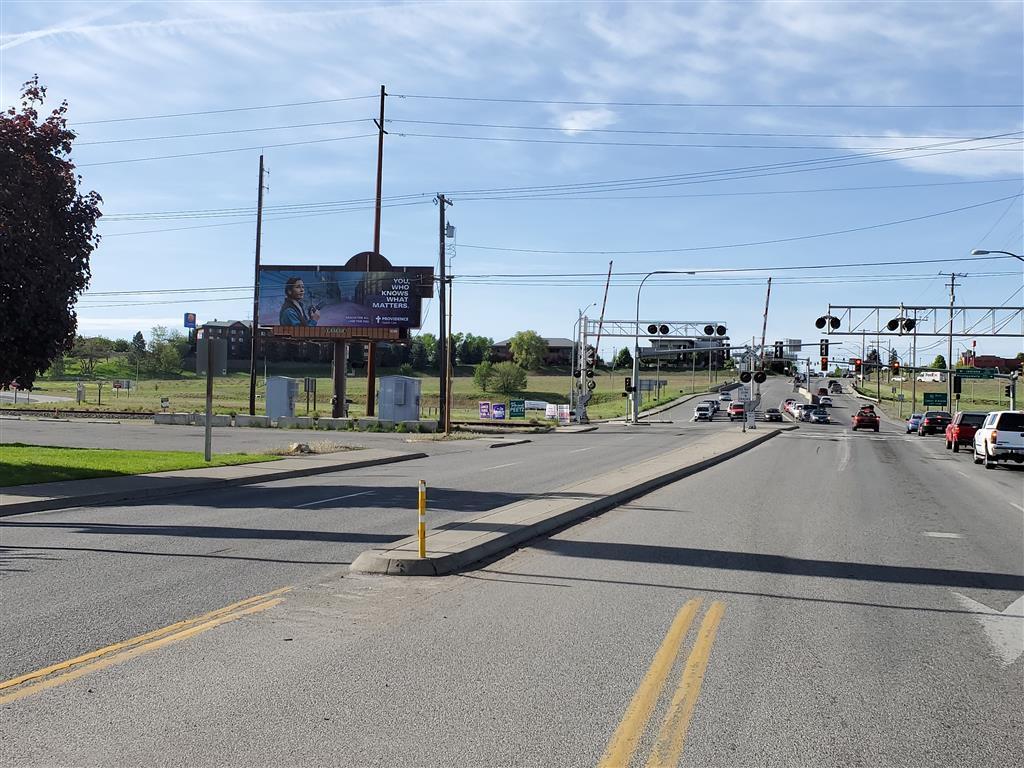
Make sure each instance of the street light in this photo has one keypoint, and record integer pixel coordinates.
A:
(980, 252)
(636, 335)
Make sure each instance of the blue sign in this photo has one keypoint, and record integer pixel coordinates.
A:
(498, 411)
(190, 319)
(485, 410)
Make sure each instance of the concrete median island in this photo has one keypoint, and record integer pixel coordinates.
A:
(455, 546)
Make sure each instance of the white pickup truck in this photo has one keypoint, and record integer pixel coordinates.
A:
(1000, 438)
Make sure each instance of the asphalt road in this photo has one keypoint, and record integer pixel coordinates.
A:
(839, 576)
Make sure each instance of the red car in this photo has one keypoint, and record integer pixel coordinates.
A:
(737, 411)
(865, 418)
(962, 428)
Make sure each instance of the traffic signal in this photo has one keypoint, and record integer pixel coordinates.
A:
(857, 364)
(824, 363)
(957, 385)
(894, 366)
(1008, 390)
(629, 384)
(823, 348)
(779, 352)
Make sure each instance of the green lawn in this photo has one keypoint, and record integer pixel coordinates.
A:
(22, 464)
(975, 395)
(231, 393)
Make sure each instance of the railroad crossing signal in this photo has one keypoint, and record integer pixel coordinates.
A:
(759, 377)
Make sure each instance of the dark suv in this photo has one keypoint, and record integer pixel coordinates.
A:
(934, 421)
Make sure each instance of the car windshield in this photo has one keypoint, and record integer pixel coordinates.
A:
(1011, 422)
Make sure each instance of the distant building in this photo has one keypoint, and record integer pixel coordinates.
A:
(559, 351)
(1004, 364)
(237, 332)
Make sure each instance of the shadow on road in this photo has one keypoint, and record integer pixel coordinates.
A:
(747, 561)
(10, 556)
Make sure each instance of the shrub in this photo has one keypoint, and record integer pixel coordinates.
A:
(482, 375)
(508, 379)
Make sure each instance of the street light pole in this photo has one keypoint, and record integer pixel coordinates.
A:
(636, 337)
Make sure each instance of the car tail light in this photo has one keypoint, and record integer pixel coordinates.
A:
(993, 436)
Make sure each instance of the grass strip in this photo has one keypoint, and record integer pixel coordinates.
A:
(22, 464)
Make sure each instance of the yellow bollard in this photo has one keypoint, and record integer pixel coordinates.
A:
(422, 527)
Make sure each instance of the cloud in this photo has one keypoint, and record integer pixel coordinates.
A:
(586, 119)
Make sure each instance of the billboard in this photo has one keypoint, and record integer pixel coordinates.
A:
(330, 301)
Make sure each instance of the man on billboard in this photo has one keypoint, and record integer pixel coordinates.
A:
(293, 311)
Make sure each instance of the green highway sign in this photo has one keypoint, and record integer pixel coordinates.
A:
(516, 408)
(976, 373)
(934, 398)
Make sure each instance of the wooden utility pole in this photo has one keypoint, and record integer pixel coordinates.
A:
(442, 339)
(371, 347)
(255, 331)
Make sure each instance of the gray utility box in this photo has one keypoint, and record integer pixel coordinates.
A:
(399, 398)
(282, 393)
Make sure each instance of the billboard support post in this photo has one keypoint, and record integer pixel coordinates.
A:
(339, 374)
(442, 339)
(256, 298)
(208, 439)
(371, 348)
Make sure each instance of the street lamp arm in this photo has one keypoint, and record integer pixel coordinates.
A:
(982, 252)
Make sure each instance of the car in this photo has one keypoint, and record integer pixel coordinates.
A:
(934, 421)
(835, 388)
(825, 401)
(725, 396)
(819, 416)
(737, 411)
(712, 404)
(865, 418)
(1000, 438)
(962, 428)
(773, 414)
(787, 405)
(702, 413)
(914, 422)
(822, 391)
(805, 412)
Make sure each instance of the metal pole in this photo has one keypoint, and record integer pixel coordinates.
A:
(254, 331)
(421, 523)
(208, 441)
(913, 368)
(371, 347)
(339, 375)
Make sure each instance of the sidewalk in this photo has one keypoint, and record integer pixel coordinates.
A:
(458, 545)
(19, 499)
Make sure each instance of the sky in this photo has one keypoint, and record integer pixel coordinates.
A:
(822, 144)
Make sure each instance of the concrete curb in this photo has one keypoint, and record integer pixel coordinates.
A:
(377, 561)
(186, 486)
(509, 444)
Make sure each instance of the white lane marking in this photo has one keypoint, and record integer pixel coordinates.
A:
(961, 472)
(581, 450)
(844, 453)
(334, 498)
(942, 535)
(501, 466)
(1003, 629)
(1018, 506)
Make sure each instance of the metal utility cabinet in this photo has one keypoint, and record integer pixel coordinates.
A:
(399, 398)
(282, 392)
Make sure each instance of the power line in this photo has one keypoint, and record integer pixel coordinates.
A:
(684, 104)
(222, 111)
(773, 241)
(654, 144)
(221, 133)
(224, 151)
(675, 133)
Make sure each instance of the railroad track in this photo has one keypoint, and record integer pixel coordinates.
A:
(72, 413)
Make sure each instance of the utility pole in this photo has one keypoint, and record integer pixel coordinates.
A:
(949, 354)
(371, 347)
(255, 331)
(442, 339)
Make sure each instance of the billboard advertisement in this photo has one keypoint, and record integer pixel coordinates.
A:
(331, 299)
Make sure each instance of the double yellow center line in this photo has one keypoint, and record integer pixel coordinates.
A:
(668, 745)
(49, 677)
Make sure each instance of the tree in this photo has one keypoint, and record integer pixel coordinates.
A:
(137, 350)
(482, 375)
(508, 378)
(939, 362)
(624, 359)
(87, 350)
(729, 364)
(47, 234)
(418, 355)
(528, 349)
(121, 346)
(166, 350)
(429, 342)
(475, 349)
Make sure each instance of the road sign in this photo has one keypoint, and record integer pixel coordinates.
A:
(516, 409)
(165, 403)
(485, 410)
(498, 411)
(935, 398)
(977, 373)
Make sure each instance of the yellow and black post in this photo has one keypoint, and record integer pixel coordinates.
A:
(422, 527)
